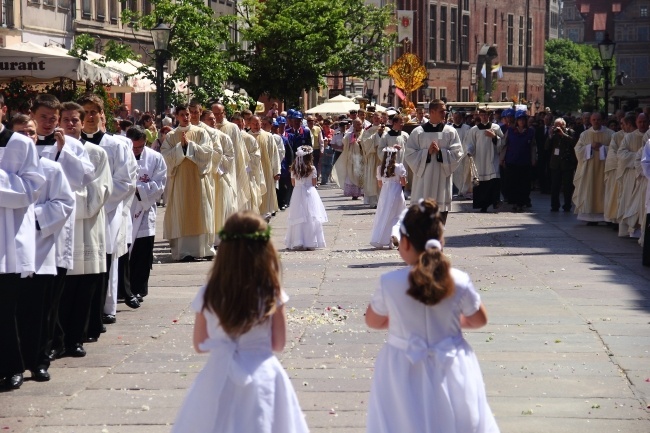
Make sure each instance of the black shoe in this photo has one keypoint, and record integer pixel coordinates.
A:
(139, 298)
(272, 213)
(132, 302)
(40, 375)
(592, 223)
(187, 259)
(57, 354)
(483, 210)
(555, 209)
(15, 381)
(103, 330)
(566, 209)
(108, 319)
(355, 198)
(90, 340)
(76, 351)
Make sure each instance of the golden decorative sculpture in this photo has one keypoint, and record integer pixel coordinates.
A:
(409, 74)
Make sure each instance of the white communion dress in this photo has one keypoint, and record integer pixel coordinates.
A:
(306, 215)
(427, 378)
(389, 208)
(242, 388)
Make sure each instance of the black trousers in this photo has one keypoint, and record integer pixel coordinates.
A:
(486, 193)
(124, 277)
(562, 180)
(11, 360)
(33, 304)
(518, 179)
(646, 242)
(141, 263)
(316, 154)
(79, 293)
(53, 332)
(286, 189)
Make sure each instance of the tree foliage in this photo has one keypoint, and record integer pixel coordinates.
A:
(567, 81)
(290, 45)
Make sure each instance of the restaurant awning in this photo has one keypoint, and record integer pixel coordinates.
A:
(34, 63)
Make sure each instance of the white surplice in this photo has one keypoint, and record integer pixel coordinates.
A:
(21, 177)
(150, 184)
(53, 209)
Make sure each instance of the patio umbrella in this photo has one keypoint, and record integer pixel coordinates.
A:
(338, 105)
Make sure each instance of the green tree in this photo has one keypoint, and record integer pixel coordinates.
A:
(568, 74)
(198, 44)
(290, 45)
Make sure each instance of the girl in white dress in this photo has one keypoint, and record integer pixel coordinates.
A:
(240, 321)
(306, 210)
(391, 177)
(427, 378)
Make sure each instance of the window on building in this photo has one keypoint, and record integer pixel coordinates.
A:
(113, 11)
(443, 92)
(50, 3)
(433, 32)
(643, 11)
(485, 25)
(520, 97)
(465, 39)
(6, 13)
(573, 35)
(453, 35)
(553, 20)
(464, 94)
(520, 48)
(529, 42)
(443, 33)
(642, 34)
(64, 5)
(146, 7)
(570, 12)
(100, 7)
(511, 38)
(466, 5)
(504, 96)
(599, 36)
(86, 8)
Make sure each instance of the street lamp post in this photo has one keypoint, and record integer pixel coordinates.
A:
(606, 48)
(596, 74)
(160, 35)
(370, 89)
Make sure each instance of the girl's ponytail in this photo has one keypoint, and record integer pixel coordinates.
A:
(430, 280)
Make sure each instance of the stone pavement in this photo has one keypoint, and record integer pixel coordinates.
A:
(566, 350)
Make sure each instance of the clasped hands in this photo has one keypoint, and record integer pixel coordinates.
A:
(433, 147)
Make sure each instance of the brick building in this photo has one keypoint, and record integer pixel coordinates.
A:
(448, 36)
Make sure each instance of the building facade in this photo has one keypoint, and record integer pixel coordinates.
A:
(449, 36)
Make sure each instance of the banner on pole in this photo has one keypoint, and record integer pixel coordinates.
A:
(404, 25)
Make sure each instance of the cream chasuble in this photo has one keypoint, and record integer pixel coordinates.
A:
(611, 182)
(270, 162)
(589, 180)
(349, 166)
(462, 176)
(239, 173)
(189, 215)
(631, 184)
(371, 161)
(254, 170)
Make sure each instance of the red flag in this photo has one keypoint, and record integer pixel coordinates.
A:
(399, 93)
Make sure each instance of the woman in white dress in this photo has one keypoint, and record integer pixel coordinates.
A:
(427, 378)
(306, 211)
(391, 177)
(241, 320)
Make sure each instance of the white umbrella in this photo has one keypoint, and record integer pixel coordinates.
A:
(35, 63)
(338, 105)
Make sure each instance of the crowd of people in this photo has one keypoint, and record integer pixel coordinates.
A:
(77, 221)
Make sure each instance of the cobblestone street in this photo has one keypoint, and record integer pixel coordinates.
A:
(567, 348)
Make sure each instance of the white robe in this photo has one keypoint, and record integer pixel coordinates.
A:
(150, 184)
(484, 152)
(433, 179)
(391, 139)
(53, 209)
(631, 184)
(270, 164)
(79, 172)
(611, 178)
(462, 176)
(21, 177)
(89, 226)
(254, 171)
(242, 161)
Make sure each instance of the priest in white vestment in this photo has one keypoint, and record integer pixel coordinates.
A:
(395, 138)
(239, 174)
(589, 180)
(350, 165)
(632, 183)
(21, 179)
(371, 160)
(270, 163)
(462, 176)
(189, 218)
(433, 151)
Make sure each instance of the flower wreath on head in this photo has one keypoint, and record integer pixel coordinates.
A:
(304, 150)
(259, 236)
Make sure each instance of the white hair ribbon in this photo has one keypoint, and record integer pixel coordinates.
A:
(433, 244)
